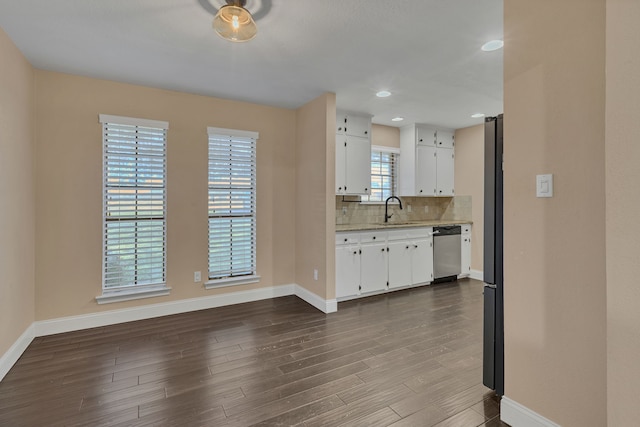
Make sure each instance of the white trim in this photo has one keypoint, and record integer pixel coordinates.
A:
(382, 148)
(232, 132)
(477, 274)
(11, 356)
(131, 294)
(231, 281)
(326, 306)
(515, 414)
(112, 317)
(132, 121)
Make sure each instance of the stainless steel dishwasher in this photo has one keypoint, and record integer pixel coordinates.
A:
(446, 252)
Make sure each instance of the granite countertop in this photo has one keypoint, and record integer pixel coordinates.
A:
(392, 225)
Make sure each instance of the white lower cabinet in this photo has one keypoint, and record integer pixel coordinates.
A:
(465, 251)
(347, 271)
(373, 267)
(422, 261)
(410, 257)
(371, 262)
(400, 254)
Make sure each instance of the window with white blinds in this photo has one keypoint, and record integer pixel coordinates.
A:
(134, 201)
(383, 174)
(232, 203)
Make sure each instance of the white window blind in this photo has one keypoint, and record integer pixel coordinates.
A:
(232, 203)
(134, 201)
(383, 175)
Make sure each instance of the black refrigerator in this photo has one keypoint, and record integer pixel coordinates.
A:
(493, 335)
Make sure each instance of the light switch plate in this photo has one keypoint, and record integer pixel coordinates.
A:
(544, 185)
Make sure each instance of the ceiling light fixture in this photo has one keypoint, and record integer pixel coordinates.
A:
(477, 115)
(492, 45)
(383, 94)
(397, 119)
(234, 23)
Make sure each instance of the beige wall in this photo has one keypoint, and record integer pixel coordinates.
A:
(17, 195)
(385, 136)
(623, 205)
(69, 180)
(314, 198)
(469, 180)
(555, 291)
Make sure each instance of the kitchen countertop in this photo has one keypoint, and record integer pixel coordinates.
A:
(392, 225)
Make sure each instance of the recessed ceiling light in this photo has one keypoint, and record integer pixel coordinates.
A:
(397, 119)
(492, 45)
(383, 94)
(477, 115)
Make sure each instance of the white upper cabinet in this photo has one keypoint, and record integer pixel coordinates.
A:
(358, 165)
(425, 136)
(445, 171)
(426, 172)
(426, 167)
(354, 125)
(445, 139)
(353, 154)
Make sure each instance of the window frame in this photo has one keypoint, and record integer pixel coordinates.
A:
(366, 199)
(220, 134)
(109, 125)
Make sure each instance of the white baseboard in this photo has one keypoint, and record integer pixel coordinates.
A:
(112, 317)
(15, 351)
(516, 415)
(326, 306)
(477, 274)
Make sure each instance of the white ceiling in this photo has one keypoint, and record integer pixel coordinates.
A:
(426, 52)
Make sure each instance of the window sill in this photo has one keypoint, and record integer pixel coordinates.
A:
(128, 295)
(231, 281)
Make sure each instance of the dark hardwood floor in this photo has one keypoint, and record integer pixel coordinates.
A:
(409, 358)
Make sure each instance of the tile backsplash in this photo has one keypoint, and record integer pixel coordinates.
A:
(349, 210)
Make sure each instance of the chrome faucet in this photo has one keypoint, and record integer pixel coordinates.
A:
(386, 207)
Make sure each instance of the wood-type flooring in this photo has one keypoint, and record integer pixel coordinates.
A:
(407, 358)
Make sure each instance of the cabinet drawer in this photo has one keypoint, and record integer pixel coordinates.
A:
(373, 236)
(347, 238)
(410, 233)
(421, 232)
(399, 234)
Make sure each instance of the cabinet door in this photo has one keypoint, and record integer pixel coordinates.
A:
(347, 271)
(422, 260)
(465, 255)
(341, 163)
(358, 165)
(373, 267)
(425, 136)
(445, 171)
(445, 139)
(426, 171)
(341, 123)
(358, 126)
(399, 264)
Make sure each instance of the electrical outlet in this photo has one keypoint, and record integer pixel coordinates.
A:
(426, 209)
(197, 277)
(315, 274)
(344, 210)
(408, 208)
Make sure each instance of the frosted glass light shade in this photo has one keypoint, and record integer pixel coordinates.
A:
(235, 24)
